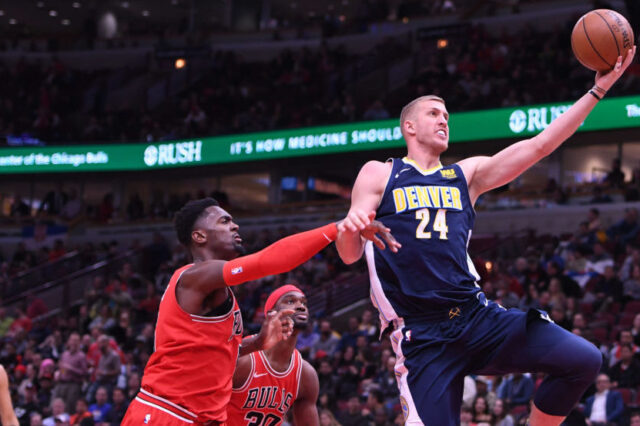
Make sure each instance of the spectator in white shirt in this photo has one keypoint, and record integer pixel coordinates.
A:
(606, 406)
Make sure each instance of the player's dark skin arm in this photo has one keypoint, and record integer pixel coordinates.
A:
(203, 286)
(305, 411)
(243, 369)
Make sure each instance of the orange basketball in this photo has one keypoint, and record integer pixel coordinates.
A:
(599, 37)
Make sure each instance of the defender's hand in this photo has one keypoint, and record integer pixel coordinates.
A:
(371, 231)
(277, 326)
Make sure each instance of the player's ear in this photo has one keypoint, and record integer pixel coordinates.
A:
(198, 236)
(409, 127)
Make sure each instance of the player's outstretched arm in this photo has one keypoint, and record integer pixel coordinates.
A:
(305, 410)
(7, 415)
(365, 198)
(486, 173)
(281, 256)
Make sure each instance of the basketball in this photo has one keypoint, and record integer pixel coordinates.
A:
(599, 37)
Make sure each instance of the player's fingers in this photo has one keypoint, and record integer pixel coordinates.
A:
(356, 220)
(630, 55)
(391, 241)
(364, 218)
(371, 215)
(348, 222)
(285, 313)
(378, 242)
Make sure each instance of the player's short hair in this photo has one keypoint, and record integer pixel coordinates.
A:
(187, 216)
(408, 108)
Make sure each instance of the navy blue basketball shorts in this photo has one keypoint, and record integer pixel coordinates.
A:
(481, 337)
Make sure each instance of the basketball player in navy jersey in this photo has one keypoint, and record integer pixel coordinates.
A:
(444, 327)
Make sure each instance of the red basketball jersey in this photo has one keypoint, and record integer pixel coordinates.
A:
(267, 395)
(194, 358)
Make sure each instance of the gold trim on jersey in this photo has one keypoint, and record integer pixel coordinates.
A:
(409, 161)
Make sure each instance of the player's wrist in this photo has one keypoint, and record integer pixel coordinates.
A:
(598, 92)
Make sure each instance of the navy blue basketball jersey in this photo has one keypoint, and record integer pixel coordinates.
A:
(430, 214)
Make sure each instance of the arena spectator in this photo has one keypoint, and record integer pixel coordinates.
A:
(5, 322)
(608, 287)
(624, 338)
(466, 416)
(118, 409)
(28, 404)
(81, 413)
(352, 416)
(631, 286)
(482, 389)
(469, 391)
(101, 407)
(606, 406)
(107, 368)
(626, 372)
(73, 208)
(73, 370)
(307, 339)
(350, 336)
(615, 177)
(58, 413)
(35, 419)
(501, 416)
(635, 329)
(626, 230)
(327, 418)
(367, 327)
(517, 389)
(481, 412)
(328, 342)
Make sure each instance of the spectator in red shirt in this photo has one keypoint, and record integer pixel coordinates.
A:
(36, 306)
(23, 322)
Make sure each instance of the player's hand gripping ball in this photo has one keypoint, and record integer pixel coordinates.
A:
(600, 37)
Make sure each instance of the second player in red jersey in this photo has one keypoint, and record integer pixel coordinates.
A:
(266, 384)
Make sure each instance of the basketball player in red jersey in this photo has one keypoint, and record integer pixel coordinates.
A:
(267, 383)
(187, 379)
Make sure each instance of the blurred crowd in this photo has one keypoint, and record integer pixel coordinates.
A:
(68, 207)
(306, 87)
(84, 364)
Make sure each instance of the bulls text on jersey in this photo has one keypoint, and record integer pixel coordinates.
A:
(268, 397)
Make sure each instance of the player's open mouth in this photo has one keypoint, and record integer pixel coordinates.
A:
(441, 133)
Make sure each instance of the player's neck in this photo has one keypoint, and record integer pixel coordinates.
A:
(280, 355)
(424, 160)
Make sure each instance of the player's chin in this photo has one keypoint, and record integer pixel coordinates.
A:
(443, 145)
(239, 248)
(299, 323)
